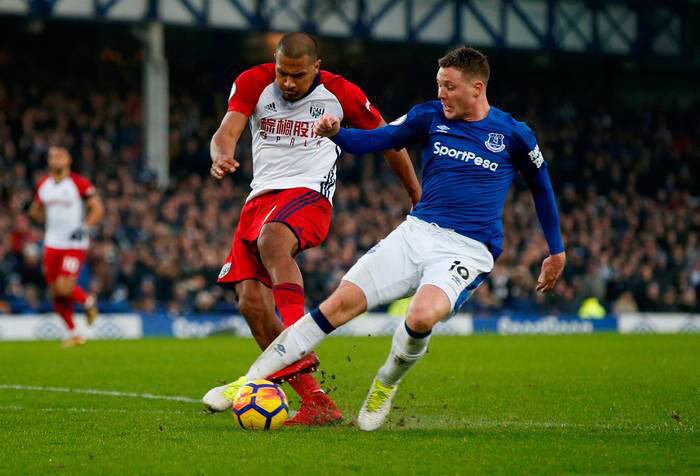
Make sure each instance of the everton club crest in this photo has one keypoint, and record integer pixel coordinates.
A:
(317, 109)
(495, 142)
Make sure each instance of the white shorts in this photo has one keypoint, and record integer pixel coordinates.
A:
(417, 253)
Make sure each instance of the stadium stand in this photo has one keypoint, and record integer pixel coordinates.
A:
(625, 173)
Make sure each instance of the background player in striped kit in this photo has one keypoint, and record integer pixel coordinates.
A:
(289, 207)
(61, 199)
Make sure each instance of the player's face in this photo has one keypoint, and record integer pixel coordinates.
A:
(458, 92)
(295, 76)
(59, 159)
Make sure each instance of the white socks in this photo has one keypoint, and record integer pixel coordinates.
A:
(406, 348)
(291, 345)
(307, 333)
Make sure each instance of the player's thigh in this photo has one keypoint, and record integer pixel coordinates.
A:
(388, 271)
(306, 213)
(276, 240)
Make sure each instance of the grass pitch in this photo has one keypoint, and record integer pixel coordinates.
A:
(487, 404)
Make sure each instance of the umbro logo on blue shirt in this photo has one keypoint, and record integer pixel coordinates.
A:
(442, 128)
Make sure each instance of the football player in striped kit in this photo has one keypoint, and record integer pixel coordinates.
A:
(289, 207)
(70, 206)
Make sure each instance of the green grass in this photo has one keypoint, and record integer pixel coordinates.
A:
(487, 404)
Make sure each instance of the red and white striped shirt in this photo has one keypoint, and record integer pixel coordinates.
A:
(65, 210)
(286, 152)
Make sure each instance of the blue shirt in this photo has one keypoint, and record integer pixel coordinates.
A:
(468, 168)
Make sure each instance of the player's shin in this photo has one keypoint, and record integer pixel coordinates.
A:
(291, 345)
(406, 348)
(63, 308)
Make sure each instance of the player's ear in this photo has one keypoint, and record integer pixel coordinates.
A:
(478, 88)
(317, 64)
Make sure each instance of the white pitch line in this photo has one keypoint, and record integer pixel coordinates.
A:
(91, 410)
(94, 391)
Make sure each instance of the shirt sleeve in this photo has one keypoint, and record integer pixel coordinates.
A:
(246, 90)
(406, 129)
(37, 197)
(528, 159)
(358, 112)
(85, 187)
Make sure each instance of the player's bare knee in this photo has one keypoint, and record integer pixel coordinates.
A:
(251, 306)
(63, 286)
(421, 317)
(251, 303)
(345, 303)
(332, 305)
(352, 304)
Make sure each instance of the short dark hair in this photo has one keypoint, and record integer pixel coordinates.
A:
(468, 60)
(58, 141)
(297, 44)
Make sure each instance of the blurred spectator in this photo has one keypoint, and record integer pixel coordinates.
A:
(625, 303)
(625, 176)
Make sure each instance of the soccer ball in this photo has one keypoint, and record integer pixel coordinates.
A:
(261, 405)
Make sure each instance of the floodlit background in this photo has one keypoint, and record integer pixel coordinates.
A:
(138, 87)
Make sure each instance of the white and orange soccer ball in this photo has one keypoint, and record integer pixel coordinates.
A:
(261, 405)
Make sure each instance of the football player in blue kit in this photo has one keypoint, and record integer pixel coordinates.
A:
(449, 241)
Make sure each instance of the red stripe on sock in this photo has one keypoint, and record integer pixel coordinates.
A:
(289, 287)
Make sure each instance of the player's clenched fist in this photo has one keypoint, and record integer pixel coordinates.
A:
(327, 126)
(222, 165)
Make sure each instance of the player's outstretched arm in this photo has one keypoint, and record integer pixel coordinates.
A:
(400, 163)
(223, 144)
(360, 141)
(355, 141)
(548, 215)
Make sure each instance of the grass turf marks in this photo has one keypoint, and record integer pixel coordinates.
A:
(601, 403)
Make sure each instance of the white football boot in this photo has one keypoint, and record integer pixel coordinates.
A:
(377, 406)
(221, 398)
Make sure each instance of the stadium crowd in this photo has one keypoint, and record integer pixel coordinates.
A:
(624, 178)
